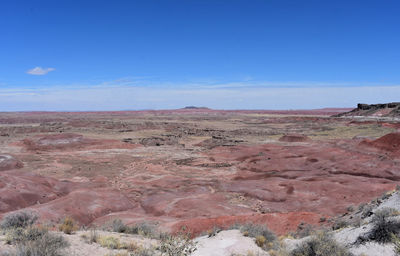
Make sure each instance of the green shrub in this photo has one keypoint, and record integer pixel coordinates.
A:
(20, 219)
(322, 244)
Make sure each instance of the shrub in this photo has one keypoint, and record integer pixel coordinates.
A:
(322, 244)
(35, 241)
(265, 238)
(118, 226)
(366, 211)
(47, 245)
(132, 246)
(260, 241)
(177, 245)
(214, 231)
(339, 224)
(383, 227)
(396, 242)
(253, 230)
(303, 230)
(383, 214)
(68, 226)
(109, 242)
(20, 219)
(386, 195)
(20, 235)
(144, 229)
(137, 250)
(143, 252)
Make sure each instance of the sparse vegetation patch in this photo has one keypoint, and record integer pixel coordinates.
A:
(384, 228)
(20, 219)
(322, 244)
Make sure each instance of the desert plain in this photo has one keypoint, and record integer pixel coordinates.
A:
(195, 168)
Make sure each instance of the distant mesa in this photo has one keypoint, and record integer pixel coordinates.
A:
(378, 110)
(194, 107)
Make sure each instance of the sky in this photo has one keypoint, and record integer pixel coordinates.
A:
(69, 55)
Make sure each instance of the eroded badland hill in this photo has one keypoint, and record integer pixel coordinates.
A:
(196, 168)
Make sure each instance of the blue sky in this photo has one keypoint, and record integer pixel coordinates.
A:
(233, 54)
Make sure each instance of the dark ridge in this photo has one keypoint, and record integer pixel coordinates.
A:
(379, 110)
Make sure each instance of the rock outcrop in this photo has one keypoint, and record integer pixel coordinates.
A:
(379, 110)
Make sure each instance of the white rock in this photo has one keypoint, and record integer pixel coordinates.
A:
(226, 243)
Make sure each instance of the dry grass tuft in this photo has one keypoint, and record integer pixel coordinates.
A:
(68, 226)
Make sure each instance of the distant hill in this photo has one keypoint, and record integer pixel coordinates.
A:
(194, 107)
(377, 110)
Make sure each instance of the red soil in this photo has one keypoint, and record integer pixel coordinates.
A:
(389, 142)
(84, 205)
(279, 223)
(287, 184)
(23, 189)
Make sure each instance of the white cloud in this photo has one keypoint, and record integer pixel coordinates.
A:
(38, 71)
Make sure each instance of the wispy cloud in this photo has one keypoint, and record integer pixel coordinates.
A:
(122, 97)
(153, 93)
(224, 84)
(39, 71)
